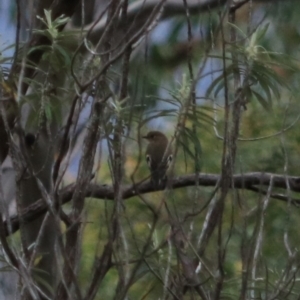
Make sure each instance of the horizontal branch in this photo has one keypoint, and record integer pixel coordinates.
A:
(138, 11)
(250, 181)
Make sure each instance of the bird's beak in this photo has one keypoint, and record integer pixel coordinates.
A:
(144, 137)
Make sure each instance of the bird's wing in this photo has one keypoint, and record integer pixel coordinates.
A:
(169, 160)
(148, 159)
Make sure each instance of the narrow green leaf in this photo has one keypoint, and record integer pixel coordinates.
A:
(264, 103)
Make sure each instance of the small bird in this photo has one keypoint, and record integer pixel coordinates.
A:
(158, 155)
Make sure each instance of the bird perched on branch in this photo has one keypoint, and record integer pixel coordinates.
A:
(159, 156)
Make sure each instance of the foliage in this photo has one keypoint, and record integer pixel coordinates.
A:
(226, 100)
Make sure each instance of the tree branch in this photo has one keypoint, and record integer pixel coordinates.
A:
(139, 11)
(250, 181)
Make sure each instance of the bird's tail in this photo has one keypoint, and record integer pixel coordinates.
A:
(158, 178)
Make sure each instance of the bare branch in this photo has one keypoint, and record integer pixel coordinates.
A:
(249, 181)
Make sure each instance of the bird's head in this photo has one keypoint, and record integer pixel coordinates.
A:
(155, 136)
